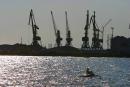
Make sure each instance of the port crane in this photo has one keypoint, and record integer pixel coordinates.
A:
(96, 41)
(68, 33)
(109, 38)
(57, 32)
(103, 27)
(32, 23)
(85, 39)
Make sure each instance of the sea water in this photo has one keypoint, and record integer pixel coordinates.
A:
(47, 71)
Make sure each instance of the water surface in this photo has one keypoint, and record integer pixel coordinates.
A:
(35, 71)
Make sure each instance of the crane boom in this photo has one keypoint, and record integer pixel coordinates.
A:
(107, 22)
(54, 24)
(87, 21)
(106, 25)
(67, 24)
(32, 19)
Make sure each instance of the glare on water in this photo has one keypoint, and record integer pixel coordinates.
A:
(35, 71)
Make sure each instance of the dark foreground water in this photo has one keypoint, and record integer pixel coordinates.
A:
(23, 71)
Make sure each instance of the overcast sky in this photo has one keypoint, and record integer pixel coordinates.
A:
(14, 18)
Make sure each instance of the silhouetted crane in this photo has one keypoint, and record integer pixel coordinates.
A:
(32, 22)
(103, 27)
(96, 41)
(57, 32)
(68, 33)
(85, 39)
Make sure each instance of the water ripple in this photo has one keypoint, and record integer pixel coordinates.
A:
(34, 71)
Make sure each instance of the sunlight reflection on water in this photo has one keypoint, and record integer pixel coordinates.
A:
(28, 71)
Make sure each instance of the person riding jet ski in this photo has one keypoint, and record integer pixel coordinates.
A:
(89, 73)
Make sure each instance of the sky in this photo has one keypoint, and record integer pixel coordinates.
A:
(14, 19)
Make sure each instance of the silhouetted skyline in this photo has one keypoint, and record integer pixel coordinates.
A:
(14, 18)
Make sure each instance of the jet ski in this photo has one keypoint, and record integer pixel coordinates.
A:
(90, 74)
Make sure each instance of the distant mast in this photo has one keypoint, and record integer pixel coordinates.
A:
(21, 41)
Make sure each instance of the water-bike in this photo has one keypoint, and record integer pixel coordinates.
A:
(90, 74)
